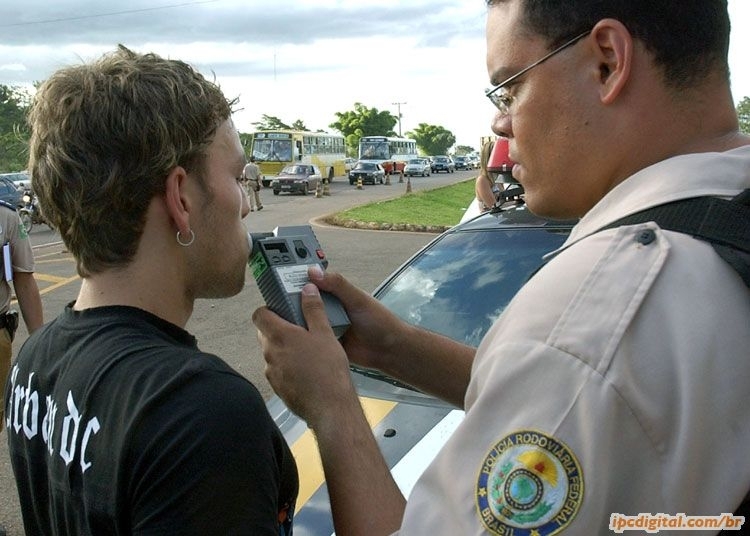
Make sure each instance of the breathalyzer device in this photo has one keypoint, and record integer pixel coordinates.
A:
(279, 261)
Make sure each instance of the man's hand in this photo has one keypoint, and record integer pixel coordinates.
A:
(375, 332)
(307, 368)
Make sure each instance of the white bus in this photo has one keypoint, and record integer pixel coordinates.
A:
(274, 149)
(388, 152)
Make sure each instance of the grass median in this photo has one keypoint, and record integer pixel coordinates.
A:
(430, 211)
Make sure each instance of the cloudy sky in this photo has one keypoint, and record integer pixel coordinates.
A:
(296, 59)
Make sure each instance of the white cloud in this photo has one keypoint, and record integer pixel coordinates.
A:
(307, 61)
(12, 67)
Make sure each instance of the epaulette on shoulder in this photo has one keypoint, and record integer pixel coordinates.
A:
(7, 205)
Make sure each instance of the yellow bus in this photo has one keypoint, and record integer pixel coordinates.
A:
(274, 149)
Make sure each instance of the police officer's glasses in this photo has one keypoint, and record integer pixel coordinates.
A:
(500, 96)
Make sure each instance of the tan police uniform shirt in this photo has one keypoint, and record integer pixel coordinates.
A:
(616, 381)
(251, 171)
(22, 257)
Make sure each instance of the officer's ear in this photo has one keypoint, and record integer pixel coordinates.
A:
(613, 48)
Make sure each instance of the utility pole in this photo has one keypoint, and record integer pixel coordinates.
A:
(399, 115)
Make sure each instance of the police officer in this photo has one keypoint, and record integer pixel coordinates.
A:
(616, 380)
(18, 267)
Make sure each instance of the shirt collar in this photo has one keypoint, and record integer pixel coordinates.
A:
(681, 177)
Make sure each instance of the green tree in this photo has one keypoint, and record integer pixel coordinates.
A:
(743, 113)
(270, 122)
(433, 139)
(464, 149)
(363, 121)
(246, 139)
(300, 125)
(14, 133)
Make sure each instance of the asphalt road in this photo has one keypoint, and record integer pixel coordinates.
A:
(223, 327)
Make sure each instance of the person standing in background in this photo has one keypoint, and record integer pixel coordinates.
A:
(251, 177)
(19, 269)
(485, 188)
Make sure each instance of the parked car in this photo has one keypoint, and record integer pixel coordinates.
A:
(369, 172)
(444, 288)
(296, 178)
(462, 162)
(9, 192)
(21, 179)
(349, 164)
(443, 163)
(417, 166)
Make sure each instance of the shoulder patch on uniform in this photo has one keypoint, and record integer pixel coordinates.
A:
(530, 484)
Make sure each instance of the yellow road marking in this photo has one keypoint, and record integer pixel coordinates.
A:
(60, 283)
(305, 450)
(49, 278)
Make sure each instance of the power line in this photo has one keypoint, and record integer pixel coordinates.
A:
(101, 15)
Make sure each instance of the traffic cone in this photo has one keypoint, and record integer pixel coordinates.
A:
(318, 191)
(359, 184)
(326, 187)
(388, 179)
(408, 185)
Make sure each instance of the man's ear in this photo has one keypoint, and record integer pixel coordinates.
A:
(614, 47)
(177, 202)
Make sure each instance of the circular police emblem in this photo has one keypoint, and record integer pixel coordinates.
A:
(529, 483)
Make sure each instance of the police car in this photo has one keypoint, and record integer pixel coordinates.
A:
(444, 287)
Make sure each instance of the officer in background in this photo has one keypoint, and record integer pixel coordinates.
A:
(252, 178)
(18, 267)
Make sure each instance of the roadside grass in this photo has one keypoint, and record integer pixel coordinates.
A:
(425, 210)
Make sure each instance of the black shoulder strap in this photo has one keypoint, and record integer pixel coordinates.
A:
(723, 223)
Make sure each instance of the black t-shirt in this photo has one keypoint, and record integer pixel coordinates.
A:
(118, 424)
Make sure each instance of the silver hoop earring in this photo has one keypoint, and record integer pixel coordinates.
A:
(186, 244)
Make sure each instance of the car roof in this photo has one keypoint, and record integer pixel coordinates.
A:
(291, 168)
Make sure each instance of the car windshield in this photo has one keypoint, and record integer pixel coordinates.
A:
(296, 170)
(272, 150)
(375, 150)
(416, 162)
(461, 285)
(366, 166)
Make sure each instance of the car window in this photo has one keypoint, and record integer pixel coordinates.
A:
(460, 285)
(6, 187)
